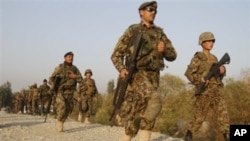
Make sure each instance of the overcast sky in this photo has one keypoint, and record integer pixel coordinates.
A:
(35, 34)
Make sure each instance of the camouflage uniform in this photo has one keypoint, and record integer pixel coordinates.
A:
(14, 103)
(21, 101)
(67, 87)
(44, 95)
(212, 98)
(88, 91)
(34, 96)
(142, 103)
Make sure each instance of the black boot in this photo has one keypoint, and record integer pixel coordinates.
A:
(226, 138)
(188, 136)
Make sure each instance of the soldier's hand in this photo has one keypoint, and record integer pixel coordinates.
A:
(123, 73)
(222, 70)
(71, 75)
(203, 81)
(161, 46)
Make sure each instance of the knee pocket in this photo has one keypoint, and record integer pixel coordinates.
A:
(153, 108)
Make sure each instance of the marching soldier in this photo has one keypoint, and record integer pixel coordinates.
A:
(88, 91)
(44, 95)
(212, 97)
(69, 77)
(34, 96)
(142, 103)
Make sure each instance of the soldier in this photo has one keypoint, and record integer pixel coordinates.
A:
(34, 96)
(69, 77)
(88, 91)
(21, 101)
(14, 102)
(212, 98)
(142, 103)
(44, 95)
(28, 101)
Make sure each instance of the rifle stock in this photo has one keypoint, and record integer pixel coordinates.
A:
(123, 84)
(53, 91)
(213, 71)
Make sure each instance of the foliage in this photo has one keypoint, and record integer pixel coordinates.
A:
(170, 84)
(103, 114)
(5, 94)
(238, 99)
(111, 85)
(176, 107)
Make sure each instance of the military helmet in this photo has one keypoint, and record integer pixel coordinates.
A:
(33, 86)
(206, 36)
(88, 71)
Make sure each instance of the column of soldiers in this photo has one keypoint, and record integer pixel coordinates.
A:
(31, 101)
(142, 103)
(34, 101)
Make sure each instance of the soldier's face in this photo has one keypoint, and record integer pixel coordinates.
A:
(88, 75)
(208, 45)
(68, 58)
(148, 13)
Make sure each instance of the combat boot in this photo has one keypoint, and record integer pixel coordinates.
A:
(226, 137)
(59, 126)
(145, 135)
(87, 120)
(125, 138)
(188, 136)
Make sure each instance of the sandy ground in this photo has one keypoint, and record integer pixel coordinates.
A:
(18, 127)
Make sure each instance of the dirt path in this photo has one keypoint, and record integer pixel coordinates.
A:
(16, 127)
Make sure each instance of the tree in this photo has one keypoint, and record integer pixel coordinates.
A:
(111, 85)
(176, 107)
(5, 94)
(237, 94)
(170, 84)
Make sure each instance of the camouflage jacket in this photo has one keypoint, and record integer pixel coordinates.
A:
(88, 87)
(199, 68)
(148, 57)
(33, 93)
(44, 90)
(63, 71)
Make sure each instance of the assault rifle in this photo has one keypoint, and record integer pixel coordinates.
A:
(214, 71)
(123, 83)
(53, 92)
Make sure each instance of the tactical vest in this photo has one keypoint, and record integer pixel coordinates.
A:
(90, 86)
(204, 65)
(34, 92)
(65, 82)
(148, 57)
(44, 89)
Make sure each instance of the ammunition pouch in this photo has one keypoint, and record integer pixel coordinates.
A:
(151, 63)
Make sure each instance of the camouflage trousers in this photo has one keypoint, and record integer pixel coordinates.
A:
(35, 106)
(21, 105)
(142, 103)
(64, 104)
(44, 101)
(211, 105)
(86, 105)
